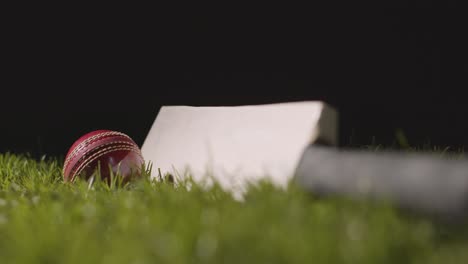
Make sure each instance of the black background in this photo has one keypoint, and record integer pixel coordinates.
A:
(383, 70)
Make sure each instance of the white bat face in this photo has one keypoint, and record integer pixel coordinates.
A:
(237, 144)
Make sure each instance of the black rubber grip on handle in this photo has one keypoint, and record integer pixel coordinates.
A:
(426, 183)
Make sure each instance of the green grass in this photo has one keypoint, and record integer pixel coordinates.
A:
(43, 220)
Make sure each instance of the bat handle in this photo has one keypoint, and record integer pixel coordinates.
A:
(426, 183)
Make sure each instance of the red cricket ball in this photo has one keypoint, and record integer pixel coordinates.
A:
(104, 149)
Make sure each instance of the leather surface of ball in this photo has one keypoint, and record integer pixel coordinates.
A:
(106, 150)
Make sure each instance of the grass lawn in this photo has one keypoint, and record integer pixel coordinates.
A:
(43, 220)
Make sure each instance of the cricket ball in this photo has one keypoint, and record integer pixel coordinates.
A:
(103, 151)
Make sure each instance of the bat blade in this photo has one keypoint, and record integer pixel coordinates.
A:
(238, 144)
